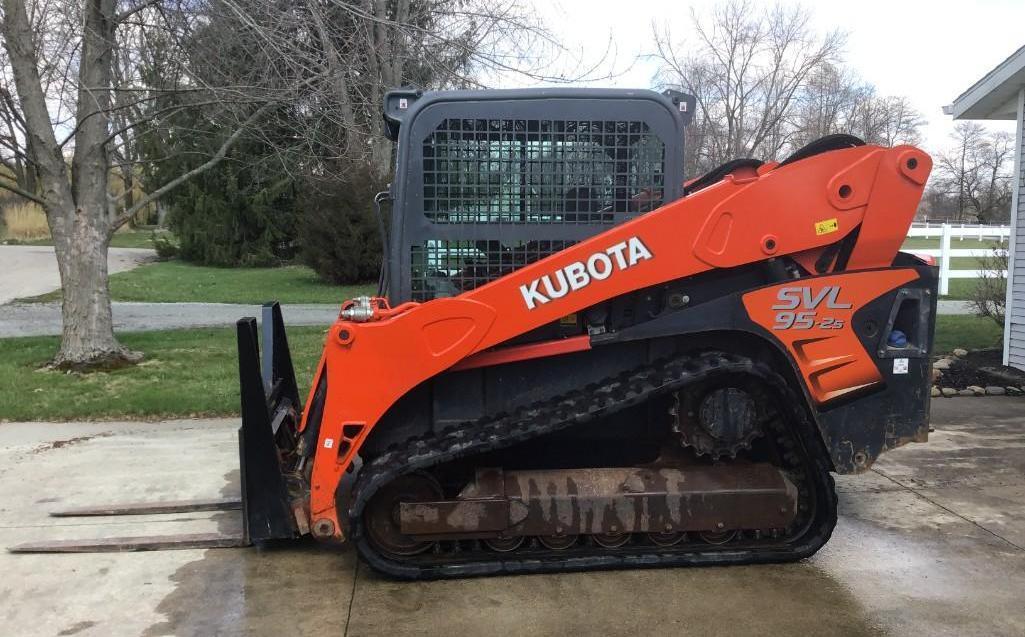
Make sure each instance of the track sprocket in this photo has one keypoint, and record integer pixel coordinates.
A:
(717, 422)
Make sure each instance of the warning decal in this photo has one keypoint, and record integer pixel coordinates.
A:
(826, 226)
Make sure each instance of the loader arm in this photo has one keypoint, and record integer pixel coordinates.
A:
(374, 355)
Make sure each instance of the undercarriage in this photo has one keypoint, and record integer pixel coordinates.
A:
(429, 508)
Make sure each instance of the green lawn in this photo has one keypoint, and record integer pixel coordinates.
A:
(123, 239)
(185, 373)
(926, 243)
(968, 332)
(965, 263)
(176, 282)
(959, 288)
(132, 239)
(194, 373)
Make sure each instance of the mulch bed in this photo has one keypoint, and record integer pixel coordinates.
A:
(981, 368)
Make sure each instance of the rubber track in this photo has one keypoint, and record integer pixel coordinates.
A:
(574, 408)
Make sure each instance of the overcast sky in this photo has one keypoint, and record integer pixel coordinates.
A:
(930, 51)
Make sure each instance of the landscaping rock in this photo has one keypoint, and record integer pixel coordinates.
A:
(936, 393)
(943, 364)
(993, 390)
(1014, 391)
(949, 392)
(936, 375)
(966, 392)
(976, 390)
(960, 353)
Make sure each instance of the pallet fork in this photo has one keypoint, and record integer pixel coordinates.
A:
(270, 510)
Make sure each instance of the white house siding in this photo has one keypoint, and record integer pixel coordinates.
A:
(1014, 333)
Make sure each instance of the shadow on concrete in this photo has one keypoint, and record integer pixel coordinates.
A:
(296, 588)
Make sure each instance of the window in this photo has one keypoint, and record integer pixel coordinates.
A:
(521, 171)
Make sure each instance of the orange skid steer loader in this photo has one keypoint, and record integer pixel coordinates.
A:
(577, 360)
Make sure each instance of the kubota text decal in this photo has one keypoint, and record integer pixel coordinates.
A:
(597, 267)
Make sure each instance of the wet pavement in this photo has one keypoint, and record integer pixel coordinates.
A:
(931, 542)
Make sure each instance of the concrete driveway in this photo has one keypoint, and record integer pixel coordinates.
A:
(929, 543)
(32, 270)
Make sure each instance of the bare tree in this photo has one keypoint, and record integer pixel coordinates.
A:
(97, 81)
(13, 153)
(63, 69)
(342, 56)
(885, 120)
(835, 100)
(766, 84)
(747, 69)
(828, 103)
(972, 178)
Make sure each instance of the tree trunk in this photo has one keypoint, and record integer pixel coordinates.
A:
(77, 205)
(87, 340)
(129, 185)
(380, 156)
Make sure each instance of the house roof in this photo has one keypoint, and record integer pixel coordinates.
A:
(994, 96)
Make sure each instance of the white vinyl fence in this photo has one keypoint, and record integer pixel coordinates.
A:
(949, 235)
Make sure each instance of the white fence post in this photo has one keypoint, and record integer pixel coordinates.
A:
(943, 254)
(945, 260)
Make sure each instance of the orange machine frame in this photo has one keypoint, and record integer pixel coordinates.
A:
(796, 209)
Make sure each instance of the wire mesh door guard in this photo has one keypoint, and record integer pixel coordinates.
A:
(491, 186)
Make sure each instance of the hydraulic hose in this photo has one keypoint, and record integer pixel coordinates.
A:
(382, 280)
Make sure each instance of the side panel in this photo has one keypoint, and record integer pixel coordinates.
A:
(813, 319)
(870, 390)
(895, 411)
